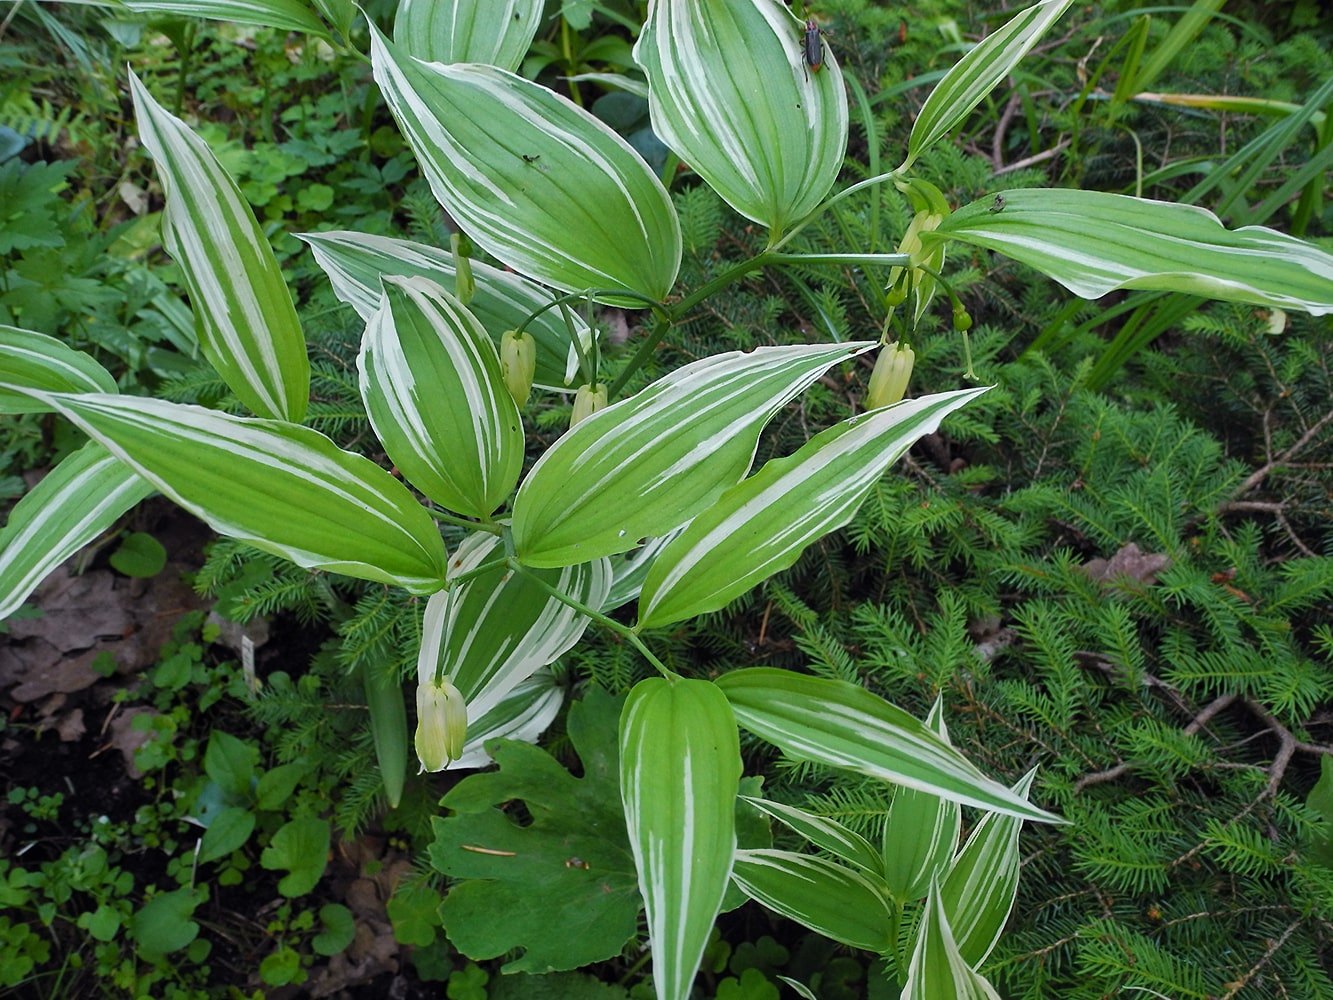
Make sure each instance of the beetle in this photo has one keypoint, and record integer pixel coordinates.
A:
(812, 47)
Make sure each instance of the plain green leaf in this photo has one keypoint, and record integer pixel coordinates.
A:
(415, 913)
(300, 847)
(276, 784)
(227, 832)
(230, 762)
(164, 923)
(337, 929)
(139, 555)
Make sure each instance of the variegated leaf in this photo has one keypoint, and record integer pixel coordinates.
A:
(920, 832)
(937, 971)
(243, 312)
(77, 500)
(976, 74)
(430, 378)
(1093, 242)
(647, 464)
(831, 899)
(502, 300)
(523, 714)
(285, 15)
(763, 524)
(979, 890)
(532, 178)
(38, 361)
(826, 834)
(630, 569)
(730, 94)
(837, 723)
(491, 632)
(285, 489)
(680, 766)
(497, 32)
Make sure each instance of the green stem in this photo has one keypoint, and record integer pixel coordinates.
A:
(828, 203)
(485, 567)
(601, 619)
(462, 522)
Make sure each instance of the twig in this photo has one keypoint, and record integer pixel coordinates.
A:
(1244, 980)
(1261, 473)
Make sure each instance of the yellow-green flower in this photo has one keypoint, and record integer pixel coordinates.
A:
(888, 380)
(441, 724)
(587, 401)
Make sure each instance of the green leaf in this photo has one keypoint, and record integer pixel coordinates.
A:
(1093, 243)
(831, 899)
(979, 890)
(533, 179)
(824, 833)
(1320, 801)
(920, 832)
(976, 74)
(680, 767)
(164, 924)
(431, 381)
(415, 912)
(730, 94)
(228, 831)
(300, 847)
(285, 15)
(937, 971)
(139, 555)
(763, 524)
(502, 300)
(337, 929)
(244, 314)
(230, 762)
(34, 360)
(837, 723)
(285, 489)
(276, 785)
(78, 500)
(527, 887)
(522, 714)
(387, 709)
(649, 463)
(497, 32)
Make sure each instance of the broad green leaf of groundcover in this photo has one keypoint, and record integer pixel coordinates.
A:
(647, 464)
(730, 94)
(497, 32)
(284, 489)
(1093, 243)
(355, 263)
(285, 15)
(431, 381)
(824, 833)
(533, 179)
(937, 970)
(920, 832)
(299, 847)
(763, 524)
(680, 770)
(832, 899)
(37, 361)
(490, 632)
(247, 324)
(562, 888)
(844, 725)
(979, 890)
(79, 499)
(976, 74)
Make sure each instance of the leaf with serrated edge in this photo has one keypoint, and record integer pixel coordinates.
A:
(247, 324)
(1094, 242)
(763, 524)
(824, 833)
(77, 501)
(680, 766)
(39, 361)
(497, 32)
(937, 971)
(647, 464)
(837, 723)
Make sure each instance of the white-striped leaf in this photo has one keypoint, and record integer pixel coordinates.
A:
(285, 15)
(502, 300)
(649, 463)
(630, 569)
(339, 13)
(837, 723)
(78, 500)
(285, 489)
(730, 94)
(979, 890)
(680, 767)
(37, 361)
(534, 179)
(920, 832)
(976, 74)
(1093, 242)
(831, 899)
(824, 833)
(497, 32)
(763, 524)
(243, 312)
(431, 381)
(523, 714)
(937, 971)
(489, 633)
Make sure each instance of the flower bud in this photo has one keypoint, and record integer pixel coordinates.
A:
(441, 724)
(962, 319)
(587, 401)
(888, 380)
(518, 364)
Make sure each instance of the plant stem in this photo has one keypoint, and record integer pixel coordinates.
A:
(462, 522)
